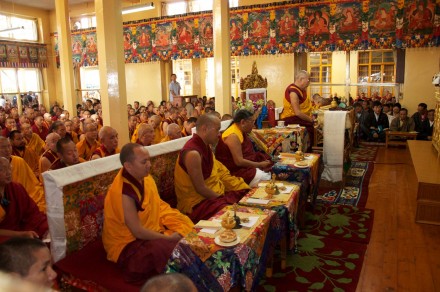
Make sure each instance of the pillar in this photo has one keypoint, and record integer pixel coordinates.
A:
(112, 66)
(222, 57)
(65, 47)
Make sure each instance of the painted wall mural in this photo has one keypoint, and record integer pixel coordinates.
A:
(22, 55)
(278, 28)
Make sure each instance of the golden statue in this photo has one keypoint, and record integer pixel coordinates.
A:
(253, 80)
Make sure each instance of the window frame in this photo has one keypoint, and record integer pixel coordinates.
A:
(318, 86)
(12, 35)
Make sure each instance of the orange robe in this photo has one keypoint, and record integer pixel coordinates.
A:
(154, 214)
(157, 136)
(31, 158)
(85, 150)
(22, 173)
(101, 151)
(36, 144)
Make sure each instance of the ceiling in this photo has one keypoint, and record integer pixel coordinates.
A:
(50, 4)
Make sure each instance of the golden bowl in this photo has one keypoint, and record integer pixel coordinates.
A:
(228, 222)
(270, 191)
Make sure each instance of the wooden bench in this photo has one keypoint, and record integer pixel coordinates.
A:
(403, 136)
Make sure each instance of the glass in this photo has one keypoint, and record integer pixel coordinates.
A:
(8, 80)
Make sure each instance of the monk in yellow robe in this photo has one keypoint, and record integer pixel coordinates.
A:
(89, 144)
(143, 117)
(146, 135)
(33, 141)
(173, 132)
(109, 143)
(20, 149)
(50, 155)
(156, 121)
(297, 106)
(22, 173)
(204, 185)
(140, 230)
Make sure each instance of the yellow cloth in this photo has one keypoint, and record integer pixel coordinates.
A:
(85, 150)
(31, 158)
(220, 181)
(165, 139)
(233, 129)
(305, 107)
(135, 135)
(157, 136)
(157, 216)
(22, 173)
(36, 144)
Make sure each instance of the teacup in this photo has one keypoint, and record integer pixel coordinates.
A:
(281, 124)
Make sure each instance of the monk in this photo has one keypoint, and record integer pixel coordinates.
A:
(172, 119)
(50, 155)
(297, 106)
(173, 132)
(39, 127)
(155, 121)
(140, 230)
(69, 131)
(22, 173)
(204, 185)
(19, 215)
(109, 143)
(20, 149)
(236, 152)
(33, 141)
(89, 144)
(146, 134)
(143, 117)
(188, 125)
(59, 128)
(182, 116)
(67, 154)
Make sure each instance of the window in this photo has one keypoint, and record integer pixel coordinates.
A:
(235, 77)
(183, 70)
(89, 82)
(18, 28)
(376, 67)
(19, 81)
(182, 7)
(83, 22)
(320, 68)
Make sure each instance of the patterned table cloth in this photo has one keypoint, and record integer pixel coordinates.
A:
(215, 268)
(273, 141)
(285, 206)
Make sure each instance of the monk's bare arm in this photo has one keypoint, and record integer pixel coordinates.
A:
(134, 224)
(234, 146)
(294, 101)
(193, 164)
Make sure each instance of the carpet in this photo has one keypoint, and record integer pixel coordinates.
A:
(339, 222)
(322, 263)
(355, 190)
(364, 153)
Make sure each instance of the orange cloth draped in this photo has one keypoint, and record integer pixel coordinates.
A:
(220, 181)
(85, 150)
(305, 105)
(101, 151)
(224, 154)
(35, 144)
(157, 135)
(154, 214)
(22, 214)
(22, 173)
(31, 158)
(165, 139)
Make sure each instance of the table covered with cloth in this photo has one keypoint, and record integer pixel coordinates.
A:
(218, 268)
(285, 204)
(306, 172)
(273, 141)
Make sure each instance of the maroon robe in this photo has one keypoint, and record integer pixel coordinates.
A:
(224, 155)
(22, 214)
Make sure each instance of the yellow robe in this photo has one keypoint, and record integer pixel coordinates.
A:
(157, 136)
(220, 181)
(85, 150)
(233, 129)
(36, 144)
(165, 139)
(22, 173)
(157, 216)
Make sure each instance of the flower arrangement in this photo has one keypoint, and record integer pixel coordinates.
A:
(250, 105)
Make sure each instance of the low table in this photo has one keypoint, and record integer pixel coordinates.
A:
(402, 135)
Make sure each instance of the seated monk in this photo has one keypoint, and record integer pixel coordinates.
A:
(145, 135)
(59, 128)
(50, 155)
(236, 152)
(173, 133)
(140, 230)
(33, 141)
(143, 118)
(297, 106)
(155, 121)
(188, 125)
(69, 131)
(67, 154)
(19, 215)
(87, 146)
(22, 174)
(204, 185)
(20, 149)
(109, 143)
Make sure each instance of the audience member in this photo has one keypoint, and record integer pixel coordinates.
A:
(146, 135)
(173, 132)
(140, 230)
(377, 123)
(155, 121)
(89, 144)
(32, 140)
(20, 149)
(39, 127)
(420, 116)
(188, 125)
(173, 282)
(204, 185)
(67, 153)
(403, 123)
(427, 127)
(235, 150)
(109, 143)
(50, 155)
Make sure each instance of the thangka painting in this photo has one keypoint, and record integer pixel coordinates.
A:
(22, 55)
(278, 28)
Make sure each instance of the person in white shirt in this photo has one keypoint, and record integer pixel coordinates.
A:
(174, 88)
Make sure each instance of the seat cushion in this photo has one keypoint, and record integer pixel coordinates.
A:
(90, 264)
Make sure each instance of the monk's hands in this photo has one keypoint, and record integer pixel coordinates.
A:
(28, 234)
(174, 237)
(265, 164)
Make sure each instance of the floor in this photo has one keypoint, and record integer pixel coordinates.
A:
(402, 255)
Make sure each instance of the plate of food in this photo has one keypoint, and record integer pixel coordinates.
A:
(227, 238)
(293, 126)
(301, 164)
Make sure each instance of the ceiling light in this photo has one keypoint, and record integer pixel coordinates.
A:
(11, 29)
(138, 8)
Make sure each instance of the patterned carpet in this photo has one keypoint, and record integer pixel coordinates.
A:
(364, 153)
